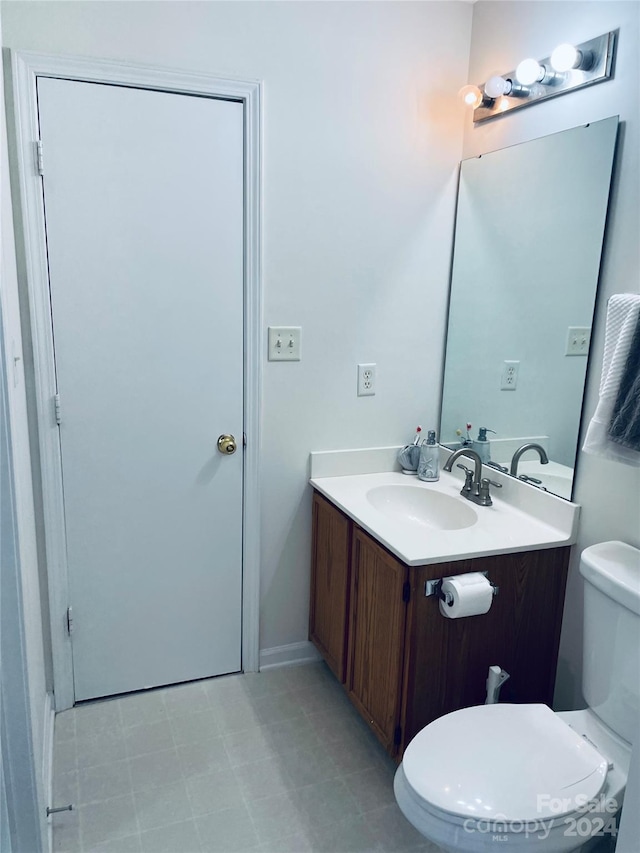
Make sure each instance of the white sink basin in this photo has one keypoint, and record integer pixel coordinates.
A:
(422, 507)
(423, 523)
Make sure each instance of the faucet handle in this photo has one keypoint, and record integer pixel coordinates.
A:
(483, 495)
(486, 482)
(468, 479)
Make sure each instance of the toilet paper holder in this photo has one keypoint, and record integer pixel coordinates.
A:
(434, 587)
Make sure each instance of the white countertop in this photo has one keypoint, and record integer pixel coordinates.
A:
(521, 518)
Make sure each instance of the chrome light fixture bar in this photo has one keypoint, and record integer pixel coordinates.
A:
(567, 69)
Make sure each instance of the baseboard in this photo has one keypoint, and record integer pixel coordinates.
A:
(294, 653)
(47, 759)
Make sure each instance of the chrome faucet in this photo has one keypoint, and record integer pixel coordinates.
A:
(476, 487)
(542, 453)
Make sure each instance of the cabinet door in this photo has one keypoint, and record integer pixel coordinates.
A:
(330, 584)
(376, 637)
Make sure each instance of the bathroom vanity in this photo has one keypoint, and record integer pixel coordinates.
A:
(402, 663)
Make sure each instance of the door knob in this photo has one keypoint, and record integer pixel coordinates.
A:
(227, 445)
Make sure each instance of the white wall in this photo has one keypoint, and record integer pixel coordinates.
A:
(504, 33)
(361, 140)
(362, 136)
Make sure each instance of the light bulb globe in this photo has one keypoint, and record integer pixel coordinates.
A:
(564, 57)
(471, 95)
(529, 71)
(495, 86)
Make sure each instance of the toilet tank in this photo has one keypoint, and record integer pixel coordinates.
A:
(611, 639)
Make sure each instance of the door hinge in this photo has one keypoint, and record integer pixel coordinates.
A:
(397, 736)
(39, 159)
(244, 439)
(69, 621)
(406, 591)
(56, 404)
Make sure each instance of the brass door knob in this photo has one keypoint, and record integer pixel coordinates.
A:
(227, 445)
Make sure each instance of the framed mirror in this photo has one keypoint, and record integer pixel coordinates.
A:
(528, 239)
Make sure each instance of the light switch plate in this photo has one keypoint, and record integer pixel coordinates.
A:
(285, 343)
(578, 340)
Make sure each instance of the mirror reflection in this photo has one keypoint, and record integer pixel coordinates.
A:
(529, 229)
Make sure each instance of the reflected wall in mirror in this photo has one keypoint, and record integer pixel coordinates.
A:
(529, 229)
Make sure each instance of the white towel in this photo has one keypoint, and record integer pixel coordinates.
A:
(623, 311)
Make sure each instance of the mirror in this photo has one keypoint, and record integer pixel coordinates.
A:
(529, 229)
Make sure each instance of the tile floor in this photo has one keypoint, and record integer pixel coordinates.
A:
(277, 761)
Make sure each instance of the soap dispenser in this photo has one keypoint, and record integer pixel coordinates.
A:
(429, 463)
(482, 445)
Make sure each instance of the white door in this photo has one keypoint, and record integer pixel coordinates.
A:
(143, 194)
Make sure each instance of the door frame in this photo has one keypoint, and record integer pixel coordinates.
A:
(22, 824)
(25, 68)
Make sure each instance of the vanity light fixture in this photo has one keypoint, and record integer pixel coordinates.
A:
(569, 67)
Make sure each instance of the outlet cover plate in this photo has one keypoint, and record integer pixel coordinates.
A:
(285, 343)
(366, 380)
(509, 378)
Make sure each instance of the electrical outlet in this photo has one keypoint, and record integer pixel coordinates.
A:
(366, 380)
(509, 381)
(578, 339)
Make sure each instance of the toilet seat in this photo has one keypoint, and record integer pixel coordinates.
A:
(503, 762)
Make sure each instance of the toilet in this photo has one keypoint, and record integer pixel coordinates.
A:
(507, 778)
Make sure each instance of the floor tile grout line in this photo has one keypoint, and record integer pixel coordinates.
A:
(135, 804)
(314, 740)
(286, 793)
(182, 773)
(246, 805)
(77, 770)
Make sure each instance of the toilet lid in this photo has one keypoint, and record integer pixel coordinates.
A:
(513, 762)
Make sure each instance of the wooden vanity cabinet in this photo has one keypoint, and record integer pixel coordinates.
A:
(377, 628)
(402, 663)
(330, 583)
(447, 660)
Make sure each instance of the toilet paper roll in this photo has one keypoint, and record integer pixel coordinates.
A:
(467, 595)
